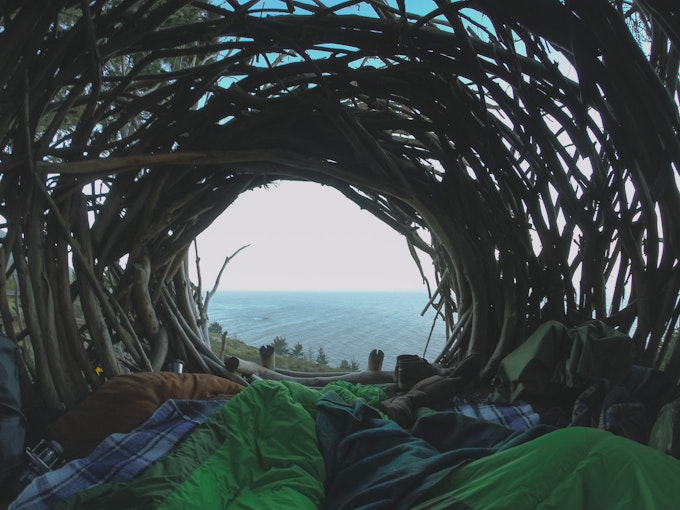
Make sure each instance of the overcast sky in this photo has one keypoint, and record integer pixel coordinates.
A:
(304, 236)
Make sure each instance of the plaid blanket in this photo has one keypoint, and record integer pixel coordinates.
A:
(120, 457)
(520, 416)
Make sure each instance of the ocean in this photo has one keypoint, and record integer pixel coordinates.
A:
(348, 325)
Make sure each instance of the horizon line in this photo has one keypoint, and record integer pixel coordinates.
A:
(322, 290)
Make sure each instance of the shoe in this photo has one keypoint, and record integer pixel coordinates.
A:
(412, 369)
(428, 392)
(399, 410)
(403, 358)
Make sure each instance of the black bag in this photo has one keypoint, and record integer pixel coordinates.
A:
(12, 421)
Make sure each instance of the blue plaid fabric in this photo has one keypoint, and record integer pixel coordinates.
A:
(120, 457)
(520, 416)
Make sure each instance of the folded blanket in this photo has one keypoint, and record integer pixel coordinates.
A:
(120, 457)
(520, 416)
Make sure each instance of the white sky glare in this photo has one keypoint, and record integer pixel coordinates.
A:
(304, 236)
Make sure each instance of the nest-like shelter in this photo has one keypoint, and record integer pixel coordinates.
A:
(536, 141)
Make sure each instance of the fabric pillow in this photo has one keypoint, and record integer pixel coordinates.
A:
(127, 401)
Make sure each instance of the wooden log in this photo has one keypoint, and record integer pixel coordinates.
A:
(299, 373)
(248, 368)
(159, 348)
(231, 363)
(146, 314)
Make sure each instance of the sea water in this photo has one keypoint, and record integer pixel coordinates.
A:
(347, 325)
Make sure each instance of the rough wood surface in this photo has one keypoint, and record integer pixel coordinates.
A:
(530, 148)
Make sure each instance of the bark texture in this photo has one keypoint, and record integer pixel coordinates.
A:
(535, 142)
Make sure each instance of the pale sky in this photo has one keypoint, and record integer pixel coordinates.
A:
(304, 236)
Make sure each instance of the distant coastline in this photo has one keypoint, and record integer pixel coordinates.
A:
(347, 324)
(328, 291)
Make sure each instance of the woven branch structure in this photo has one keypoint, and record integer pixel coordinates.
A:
(535, 142)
